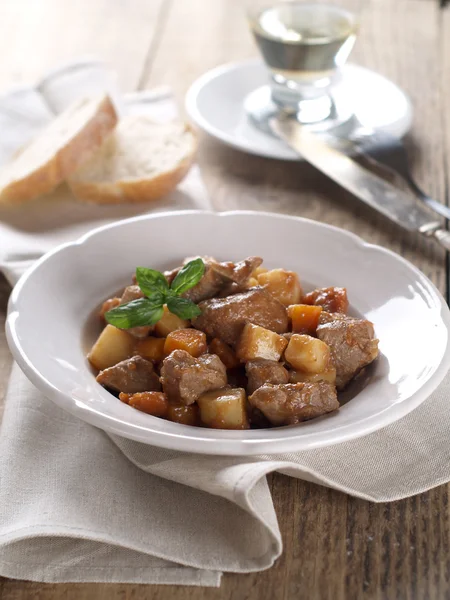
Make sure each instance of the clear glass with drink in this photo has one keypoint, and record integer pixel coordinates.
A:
(304, 45)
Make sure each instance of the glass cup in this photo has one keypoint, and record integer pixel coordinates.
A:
(304, 46)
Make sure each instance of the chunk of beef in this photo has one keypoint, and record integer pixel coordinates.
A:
(242, 270)
(185, 378)
(241, 274)
(231, 288)
(170, 275)
(223, 277)
(219, 277)
(333, 299)
(216, 277)
(261, 371)
(291, 403)
(352, 343)
(225, 318)
(133, 292)
(130, 376)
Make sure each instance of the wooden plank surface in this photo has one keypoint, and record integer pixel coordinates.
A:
(335, 547)
(445, 87)
(36, 36)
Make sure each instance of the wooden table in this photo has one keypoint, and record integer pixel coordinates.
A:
(335, 547)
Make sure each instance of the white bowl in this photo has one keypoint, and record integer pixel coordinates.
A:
(51, 304)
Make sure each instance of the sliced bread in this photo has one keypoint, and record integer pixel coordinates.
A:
(141, 161)
(58, 150)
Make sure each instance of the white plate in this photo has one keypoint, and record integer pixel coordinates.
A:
(50, 306)
(215, 102)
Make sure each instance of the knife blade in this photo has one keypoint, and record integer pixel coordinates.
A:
(379, 194)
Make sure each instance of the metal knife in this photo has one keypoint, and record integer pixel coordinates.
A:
(392, 202)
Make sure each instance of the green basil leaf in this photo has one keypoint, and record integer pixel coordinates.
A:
(183, 308)
(188, 276)
(156, 298)
(136, 313)
(151, 281)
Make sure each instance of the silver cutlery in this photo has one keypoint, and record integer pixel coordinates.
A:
(381, 195)
(389, 151)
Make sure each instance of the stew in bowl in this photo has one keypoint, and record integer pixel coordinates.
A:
(229, 345)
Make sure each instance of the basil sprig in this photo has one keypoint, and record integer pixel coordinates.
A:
(183, 308)
(188, 276)
(136, 313)
(153, 284)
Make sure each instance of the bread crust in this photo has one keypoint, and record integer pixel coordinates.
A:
(66, 159)
(134, 190)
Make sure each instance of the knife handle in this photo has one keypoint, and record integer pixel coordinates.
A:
(436, 232)
(443, 237)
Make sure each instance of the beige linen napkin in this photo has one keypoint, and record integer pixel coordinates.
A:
(77, 504)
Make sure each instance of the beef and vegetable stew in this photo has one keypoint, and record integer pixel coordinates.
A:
(229, 345)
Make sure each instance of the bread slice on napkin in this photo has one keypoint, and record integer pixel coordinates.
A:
(141, 161)
(58, 150)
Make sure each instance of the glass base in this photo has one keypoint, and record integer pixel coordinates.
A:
(323, 113)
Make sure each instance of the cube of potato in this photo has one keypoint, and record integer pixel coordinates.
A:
(191, 340)
(168, 323)
(308, 354)
(151, 348)
(284, 285)
(224, 409)
(224, 352)
(258, 271)
(152, 403)
(298, 376)
(112, 346)
(304, 318)
(258, 342)
(252, 282)
(186, 415)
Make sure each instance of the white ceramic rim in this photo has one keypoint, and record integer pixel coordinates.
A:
(278, 440)
(198, 119)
